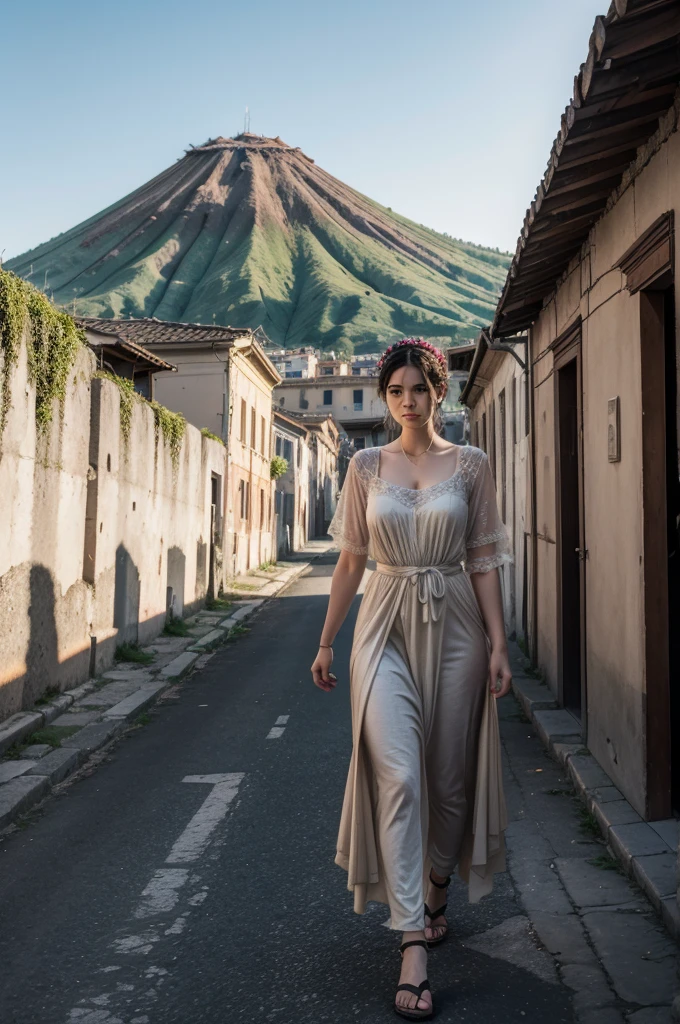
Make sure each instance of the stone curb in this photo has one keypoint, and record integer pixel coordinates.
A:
(636, 845)
(19, 794)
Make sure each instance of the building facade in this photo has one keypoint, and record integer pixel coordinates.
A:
(223, 384)
(594, 283)
(353, 404)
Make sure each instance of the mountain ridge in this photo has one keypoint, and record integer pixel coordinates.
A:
(250, 231)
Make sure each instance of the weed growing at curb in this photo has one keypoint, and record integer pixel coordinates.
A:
(176, 627)
(236, 631)
(50, 693)
(606, 862)
(133, 652)
(588, 824)
(267, 566)
(560, 792)
(245, 586)
(53, 734)
(142, 719)
(218, 604)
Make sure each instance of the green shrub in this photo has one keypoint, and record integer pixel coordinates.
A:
(277, 467)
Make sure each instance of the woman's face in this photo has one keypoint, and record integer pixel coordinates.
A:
(408, 397)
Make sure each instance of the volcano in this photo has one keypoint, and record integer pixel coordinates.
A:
(249, 231)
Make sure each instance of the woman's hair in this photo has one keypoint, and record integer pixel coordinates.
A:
(429, 360)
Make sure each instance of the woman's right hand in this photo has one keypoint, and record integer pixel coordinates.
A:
(321, 670)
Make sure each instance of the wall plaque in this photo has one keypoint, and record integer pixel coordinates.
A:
(614, 430)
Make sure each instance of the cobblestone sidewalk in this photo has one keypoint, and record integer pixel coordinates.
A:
(609, 944)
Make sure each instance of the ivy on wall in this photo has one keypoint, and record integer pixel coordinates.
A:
(170, 425)
(213, 437)
(53, 342)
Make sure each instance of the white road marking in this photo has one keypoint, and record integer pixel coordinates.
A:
(178, 926)
(162, 892)
(282, 720)
(196, 835)
(160, 897)
(275, 732)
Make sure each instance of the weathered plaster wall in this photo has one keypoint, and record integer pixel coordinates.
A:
(93, 532)
(611, 351)
(497, 373)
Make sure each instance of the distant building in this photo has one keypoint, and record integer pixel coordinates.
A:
(224, 384)
(299, 362)
(355, 406)
(306, 493)
(126, 359)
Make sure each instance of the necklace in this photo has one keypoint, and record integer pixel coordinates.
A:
(410, 458)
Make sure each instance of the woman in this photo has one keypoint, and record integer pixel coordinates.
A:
(424, 791)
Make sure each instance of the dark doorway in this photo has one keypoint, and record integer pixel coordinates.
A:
(673, 535)
(661, 503)
(571, 553)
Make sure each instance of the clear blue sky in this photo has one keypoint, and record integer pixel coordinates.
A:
(444, 110)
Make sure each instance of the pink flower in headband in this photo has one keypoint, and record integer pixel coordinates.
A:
(415, 343)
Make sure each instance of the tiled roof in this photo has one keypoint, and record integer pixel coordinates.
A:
(150, 331)
(627, 83)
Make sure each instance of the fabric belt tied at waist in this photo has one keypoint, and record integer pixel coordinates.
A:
(430, 582)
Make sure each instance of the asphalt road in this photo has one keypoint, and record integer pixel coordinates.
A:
(139, 898)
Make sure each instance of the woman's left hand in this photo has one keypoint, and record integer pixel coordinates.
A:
(499, 669)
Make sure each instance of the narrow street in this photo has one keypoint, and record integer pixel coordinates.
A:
(189, 877)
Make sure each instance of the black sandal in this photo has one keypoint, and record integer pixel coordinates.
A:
(432, 914)
(416, 990)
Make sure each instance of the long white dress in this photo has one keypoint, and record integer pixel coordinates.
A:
(424, 786)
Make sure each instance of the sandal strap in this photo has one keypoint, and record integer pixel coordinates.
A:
(435, 913)
(413, 942)
(416, 990)
(440, 885)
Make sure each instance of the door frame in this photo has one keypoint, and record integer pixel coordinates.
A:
(565, 349)
(648, 266)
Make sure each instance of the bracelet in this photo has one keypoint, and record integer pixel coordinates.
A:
(327, 647)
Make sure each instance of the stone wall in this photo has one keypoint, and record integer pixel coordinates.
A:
(95, 529)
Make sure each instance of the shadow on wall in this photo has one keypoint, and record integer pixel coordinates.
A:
(201, 569)
(176, 575)
(126, 597)
(42, 655)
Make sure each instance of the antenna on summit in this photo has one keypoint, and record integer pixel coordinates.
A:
(246, 122)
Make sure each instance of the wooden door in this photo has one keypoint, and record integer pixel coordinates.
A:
(570, 540)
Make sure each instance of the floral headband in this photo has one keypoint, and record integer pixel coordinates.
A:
(415, 343)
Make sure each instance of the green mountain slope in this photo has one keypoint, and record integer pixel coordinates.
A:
(250, 231)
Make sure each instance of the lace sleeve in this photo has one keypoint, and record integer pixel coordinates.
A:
(486, 541)
(348, 526)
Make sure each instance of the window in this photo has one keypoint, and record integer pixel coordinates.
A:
(293, 373)
(327, 371)
(328, 398)
(287, 451)
(263, 435)
(358, 400)
(359, 442)
(253, 428)
(356, 371)
(262, 508)
(504, 468)
(492, 438)
(513, 412)
(484, 448)
(244, 414)
(244, 498)
(279, 444)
